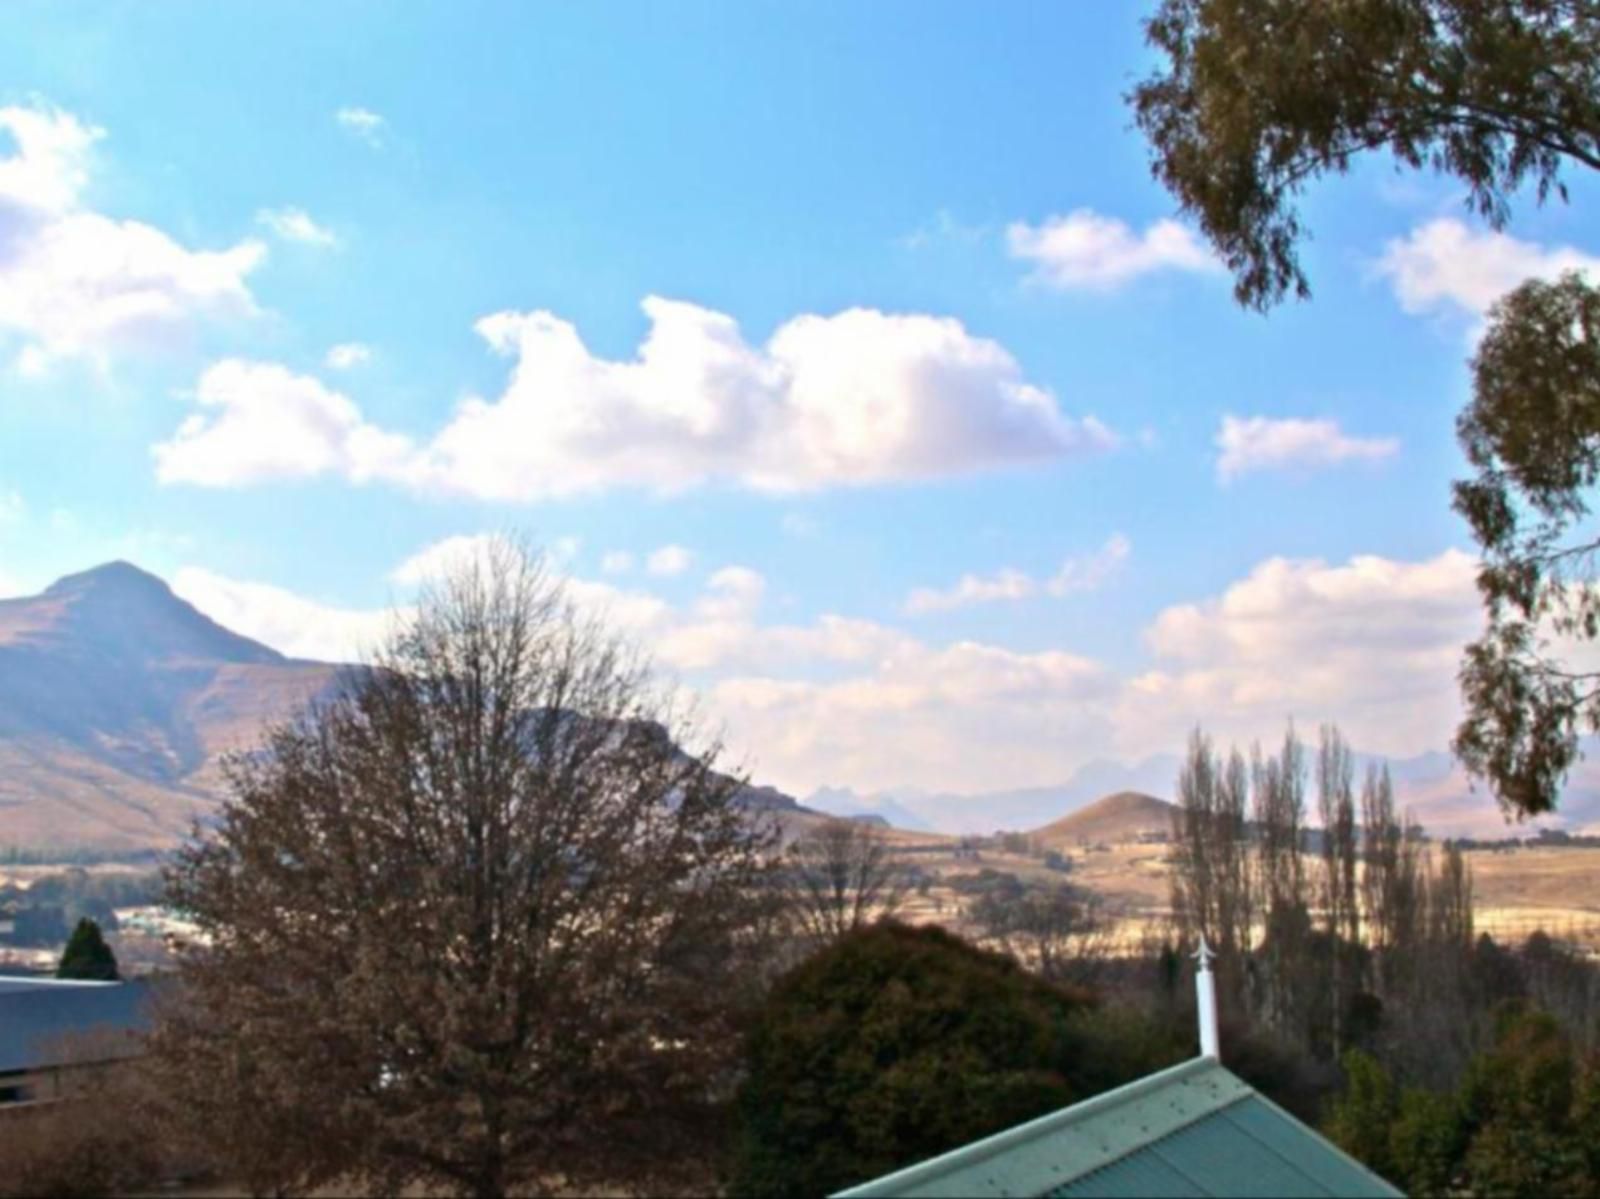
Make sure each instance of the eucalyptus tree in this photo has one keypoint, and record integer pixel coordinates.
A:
(1255, 100)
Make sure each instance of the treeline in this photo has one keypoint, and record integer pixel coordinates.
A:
(1464, 1066)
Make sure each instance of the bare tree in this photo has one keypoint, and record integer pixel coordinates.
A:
(1212, 876)
(842, 876)
(1061, 930)
(1336, 803)
(1285, 977)
(478, 916)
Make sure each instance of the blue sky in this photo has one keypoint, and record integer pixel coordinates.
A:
(930, 320)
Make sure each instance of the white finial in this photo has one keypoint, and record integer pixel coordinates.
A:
(1205, 987)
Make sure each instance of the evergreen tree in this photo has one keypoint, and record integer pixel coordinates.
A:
(87, 956)
(894, 1044)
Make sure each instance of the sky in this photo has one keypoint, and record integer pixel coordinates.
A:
(847, 357)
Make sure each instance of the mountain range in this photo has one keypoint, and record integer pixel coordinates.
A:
(1431, 784)
(117, 702)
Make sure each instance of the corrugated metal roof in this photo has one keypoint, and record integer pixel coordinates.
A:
(1193, 1129)
(38, 1017)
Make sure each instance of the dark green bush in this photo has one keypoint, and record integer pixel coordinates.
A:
(896, 1043)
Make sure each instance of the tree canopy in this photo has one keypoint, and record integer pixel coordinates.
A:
(1532, 431)
(1257, 98)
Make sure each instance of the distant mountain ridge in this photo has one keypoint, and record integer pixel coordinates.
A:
(118, 700)
(1431, 784)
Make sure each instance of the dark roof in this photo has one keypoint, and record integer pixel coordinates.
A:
(38, 1017)
(1193, 1129)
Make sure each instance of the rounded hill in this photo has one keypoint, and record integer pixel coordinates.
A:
(1123, 816)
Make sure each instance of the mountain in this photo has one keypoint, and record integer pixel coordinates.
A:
(993, 811)
(118, 699)
(1432, 785)
(1119, 817)
(841, 801)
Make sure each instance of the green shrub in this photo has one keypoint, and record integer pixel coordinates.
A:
(896, 1044)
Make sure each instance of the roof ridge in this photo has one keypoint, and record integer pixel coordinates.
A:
(1082, 1112)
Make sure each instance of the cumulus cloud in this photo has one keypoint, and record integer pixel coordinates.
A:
(295, 224)
(669, 560)
(1258, 443)
(960, 717)
(77, 283)
(857, 398)
(259, 420)
(288, 622)
(1447, 266)
(1373, 643)
(1086, 250)
(972, 589)
(616, 562)
(347, 354)
(11, 507)
(1083, 573)
(362, 123)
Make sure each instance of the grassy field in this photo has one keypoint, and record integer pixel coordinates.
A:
(1516, 891)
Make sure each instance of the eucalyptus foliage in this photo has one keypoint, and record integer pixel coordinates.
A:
(1258, 98)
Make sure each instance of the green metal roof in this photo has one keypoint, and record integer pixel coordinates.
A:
(1193, 1129)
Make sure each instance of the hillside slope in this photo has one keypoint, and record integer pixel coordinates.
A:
(116, 701)
(1119, 817)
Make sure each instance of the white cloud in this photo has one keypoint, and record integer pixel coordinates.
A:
(1373, 644)
(289, 623)
(438, 561)
(77, 283)
(960, 717)
(362, 123)
(1083, 573)
(943, 228)
(347, 354)
(857, 398)
(669, 560)
(1447, 266)
(295, 224)
(12, 507)
(616, 562)
(50, 167)
(972, 589)
(860, 397)
(1086, 250)
(1262, 443)
(1090, 572)
(261, 421)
